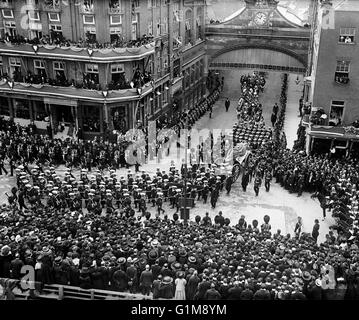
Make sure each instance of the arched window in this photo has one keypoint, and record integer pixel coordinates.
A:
(188, 26)
(199, 21)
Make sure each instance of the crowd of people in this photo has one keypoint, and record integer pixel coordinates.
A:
(55, 38)
(89, 81)
(84, 230)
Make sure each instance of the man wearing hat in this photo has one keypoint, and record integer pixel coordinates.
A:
(146, 279)
(214, 197)
(132, 276)
(21, 199)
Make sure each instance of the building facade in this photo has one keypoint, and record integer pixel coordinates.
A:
(332, 84)
(335, 63)
(99, 65)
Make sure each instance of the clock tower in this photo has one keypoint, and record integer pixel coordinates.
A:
(260, 12)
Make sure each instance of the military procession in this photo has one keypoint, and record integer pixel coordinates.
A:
(92, 227)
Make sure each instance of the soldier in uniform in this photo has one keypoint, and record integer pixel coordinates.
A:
(214, 197)
(159, 203)
(142, 203)
(205, 191)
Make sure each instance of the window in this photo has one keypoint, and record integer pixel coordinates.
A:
(117, 68)
(135, 18)
(15, 62)
(39, 67)
(347, 35)
(116, 4)
(4, 106)
(89, 19)
(115, 33)
(10, 28)
(87, 6)
(134, 30)
(117, 72)
(336, 112)
(117, 19)
(199, 23)
(92, 72)
(54, 17)
(165, 93)
(90, 34)
(56, 27)
(91, 30)
(22, 108)
(91, 118)
(59, 66)
(59, 70)
(51, 4)
(7, 13)
(34, 16)
(39, 111)
(91, 68)
(136, 3)
(188, 27)
(342, 72)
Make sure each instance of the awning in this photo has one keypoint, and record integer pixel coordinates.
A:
(338, 133)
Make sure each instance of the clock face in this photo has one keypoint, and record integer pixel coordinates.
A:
(260, 18)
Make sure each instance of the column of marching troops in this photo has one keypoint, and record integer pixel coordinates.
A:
(123, 195)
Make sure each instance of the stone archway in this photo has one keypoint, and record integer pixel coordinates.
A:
(258, 56)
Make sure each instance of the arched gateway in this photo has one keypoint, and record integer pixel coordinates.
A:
(260, 35)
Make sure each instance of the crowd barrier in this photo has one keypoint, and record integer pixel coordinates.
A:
(61, 292)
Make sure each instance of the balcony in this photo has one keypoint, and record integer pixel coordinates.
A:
(6, 5)
(51, 5)
(71, 92)
(80, 51)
